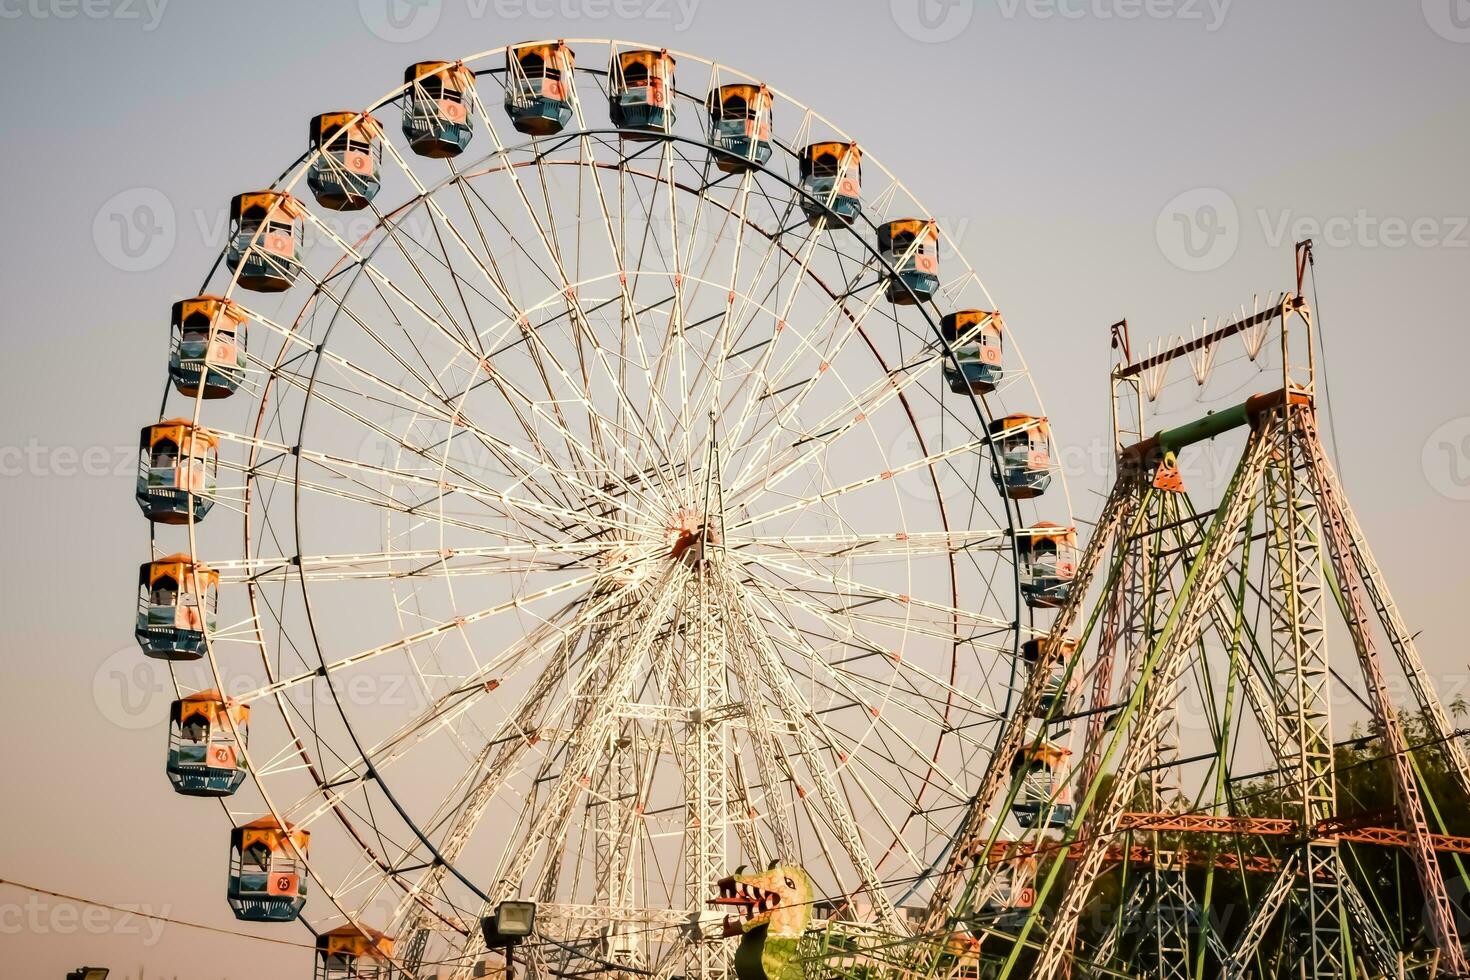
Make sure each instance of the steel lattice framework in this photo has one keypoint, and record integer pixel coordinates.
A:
(1234, 600)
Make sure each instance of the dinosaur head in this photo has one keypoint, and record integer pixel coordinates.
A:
(779, 897)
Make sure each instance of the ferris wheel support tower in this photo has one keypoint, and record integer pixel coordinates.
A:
(1177, 576)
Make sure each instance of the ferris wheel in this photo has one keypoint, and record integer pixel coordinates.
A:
(607, 479)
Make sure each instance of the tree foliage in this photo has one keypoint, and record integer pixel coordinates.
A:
(1385, 876)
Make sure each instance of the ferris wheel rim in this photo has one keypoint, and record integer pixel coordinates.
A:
(778, 175)
(298, 170)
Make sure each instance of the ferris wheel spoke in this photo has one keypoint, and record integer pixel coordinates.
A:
(442, 411)
(759, 730)
(329, 795)
(904, 667)
(762, 723)
(550, 825)
(615, 245)
(775, 385)
(873, 697)
(675, 347)
(858, 546)
(781, 213)
(720, 333)
(497, 760)
(631, 324)
(613, 468)
(458, 622)
(488, 266)
(429, 571)
(424, 509)
(801, 503)
(444, 712)
(860, 613)
(741, 304)
(496, 446)
(474, 349)
(763, 385)
(867, 610)
(568, 283)
(512, 311)
(837, 424)
(837, 308)
(852, 587)
(852, 753)
(811, 736)
(607, 429)
(437, 466)
(263, 567)
(675, 343)
(702, 279)
(737, 298)
(337, 464)
(586, 459)
(742, 800)
(376, 499)
(383, 282)
(466, 335)
(802, 262)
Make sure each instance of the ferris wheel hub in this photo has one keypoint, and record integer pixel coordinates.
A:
(691, 541)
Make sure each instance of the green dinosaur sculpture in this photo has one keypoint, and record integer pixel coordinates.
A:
(777, 905)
